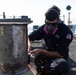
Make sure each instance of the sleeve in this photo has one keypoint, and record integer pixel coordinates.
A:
(63, 45)
(37, 34)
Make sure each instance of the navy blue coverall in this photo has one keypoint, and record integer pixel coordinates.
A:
(59, 40)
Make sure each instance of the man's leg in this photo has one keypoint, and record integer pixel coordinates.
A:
(42, 63)
(59, 66)
(47, 65)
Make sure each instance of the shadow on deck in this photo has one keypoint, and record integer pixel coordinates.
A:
(72, 64)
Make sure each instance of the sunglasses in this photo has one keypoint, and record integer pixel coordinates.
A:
(52, 24)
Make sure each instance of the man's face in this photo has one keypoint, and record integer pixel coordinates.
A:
(51, 25)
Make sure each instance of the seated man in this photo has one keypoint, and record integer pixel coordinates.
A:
(57, 37)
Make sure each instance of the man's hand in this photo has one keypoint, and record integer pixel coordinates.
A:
(36, 52)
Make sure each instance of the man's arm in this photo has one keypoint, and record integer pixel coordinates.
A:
(54, 54)
(47, 53)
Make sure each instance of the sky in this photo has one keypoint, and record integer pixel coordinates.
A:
(35, 9)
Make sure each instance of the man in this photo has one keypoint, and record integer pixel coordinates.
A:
(57, 37)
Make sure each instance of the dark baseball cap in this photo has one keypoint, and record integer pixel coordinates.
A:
(52, 15)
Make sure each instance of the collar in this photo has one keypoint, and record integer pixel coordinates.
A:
(55, 30)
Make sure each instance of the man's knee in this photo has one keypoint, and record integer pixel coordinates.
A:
(60, 66)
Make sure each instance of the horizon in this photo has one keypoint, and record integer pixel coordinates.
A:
(30, 29)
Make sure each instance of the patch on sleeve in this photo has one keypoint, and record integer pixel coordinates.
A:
(68, 36)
